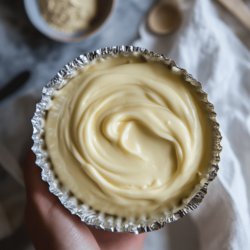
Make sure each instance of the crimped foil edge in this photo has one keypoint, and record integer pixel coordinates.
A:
(87, 214)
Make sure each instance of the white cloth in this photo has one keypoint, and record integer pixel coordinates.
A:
(212, 53)
(208, 49)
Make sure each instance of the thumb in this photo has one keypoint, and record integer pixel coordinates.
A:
(50, 225)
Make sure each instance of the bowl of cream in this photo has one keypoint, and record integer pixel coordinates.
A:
(126, 139)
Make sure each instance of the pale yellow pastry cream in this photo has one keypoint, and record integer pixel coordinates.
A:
(128, 137)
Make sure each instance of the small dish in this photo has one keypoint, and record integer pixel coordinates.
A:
(164, 18)
(104, 10)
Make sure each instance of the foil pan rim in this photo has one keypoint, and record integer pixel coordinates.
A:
(83, 211)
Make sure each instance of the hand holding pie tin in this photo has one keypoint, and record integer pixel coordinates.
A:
(126, 139)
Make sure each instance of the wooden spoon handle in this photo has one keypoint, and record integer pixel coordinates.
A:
(239, 9)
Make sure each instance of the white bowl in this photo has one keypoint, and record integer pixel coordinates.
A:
(104, 9)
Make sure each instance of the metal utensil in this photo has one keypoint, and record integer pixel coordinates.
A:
(14, 84)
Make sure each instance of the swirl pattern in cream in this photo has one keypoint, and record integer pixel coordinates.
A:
(128, 137)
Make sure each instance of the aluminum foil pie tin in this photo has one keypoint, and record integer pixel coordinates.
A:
(83, 211)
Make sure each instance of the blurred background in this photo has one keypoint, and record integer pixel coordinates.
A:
(210, 38)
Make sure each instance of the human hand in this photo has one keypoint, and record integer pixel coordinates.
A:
(52, 227)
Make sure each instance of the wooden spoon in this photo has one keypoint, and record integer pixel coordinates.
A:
(239, 9)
